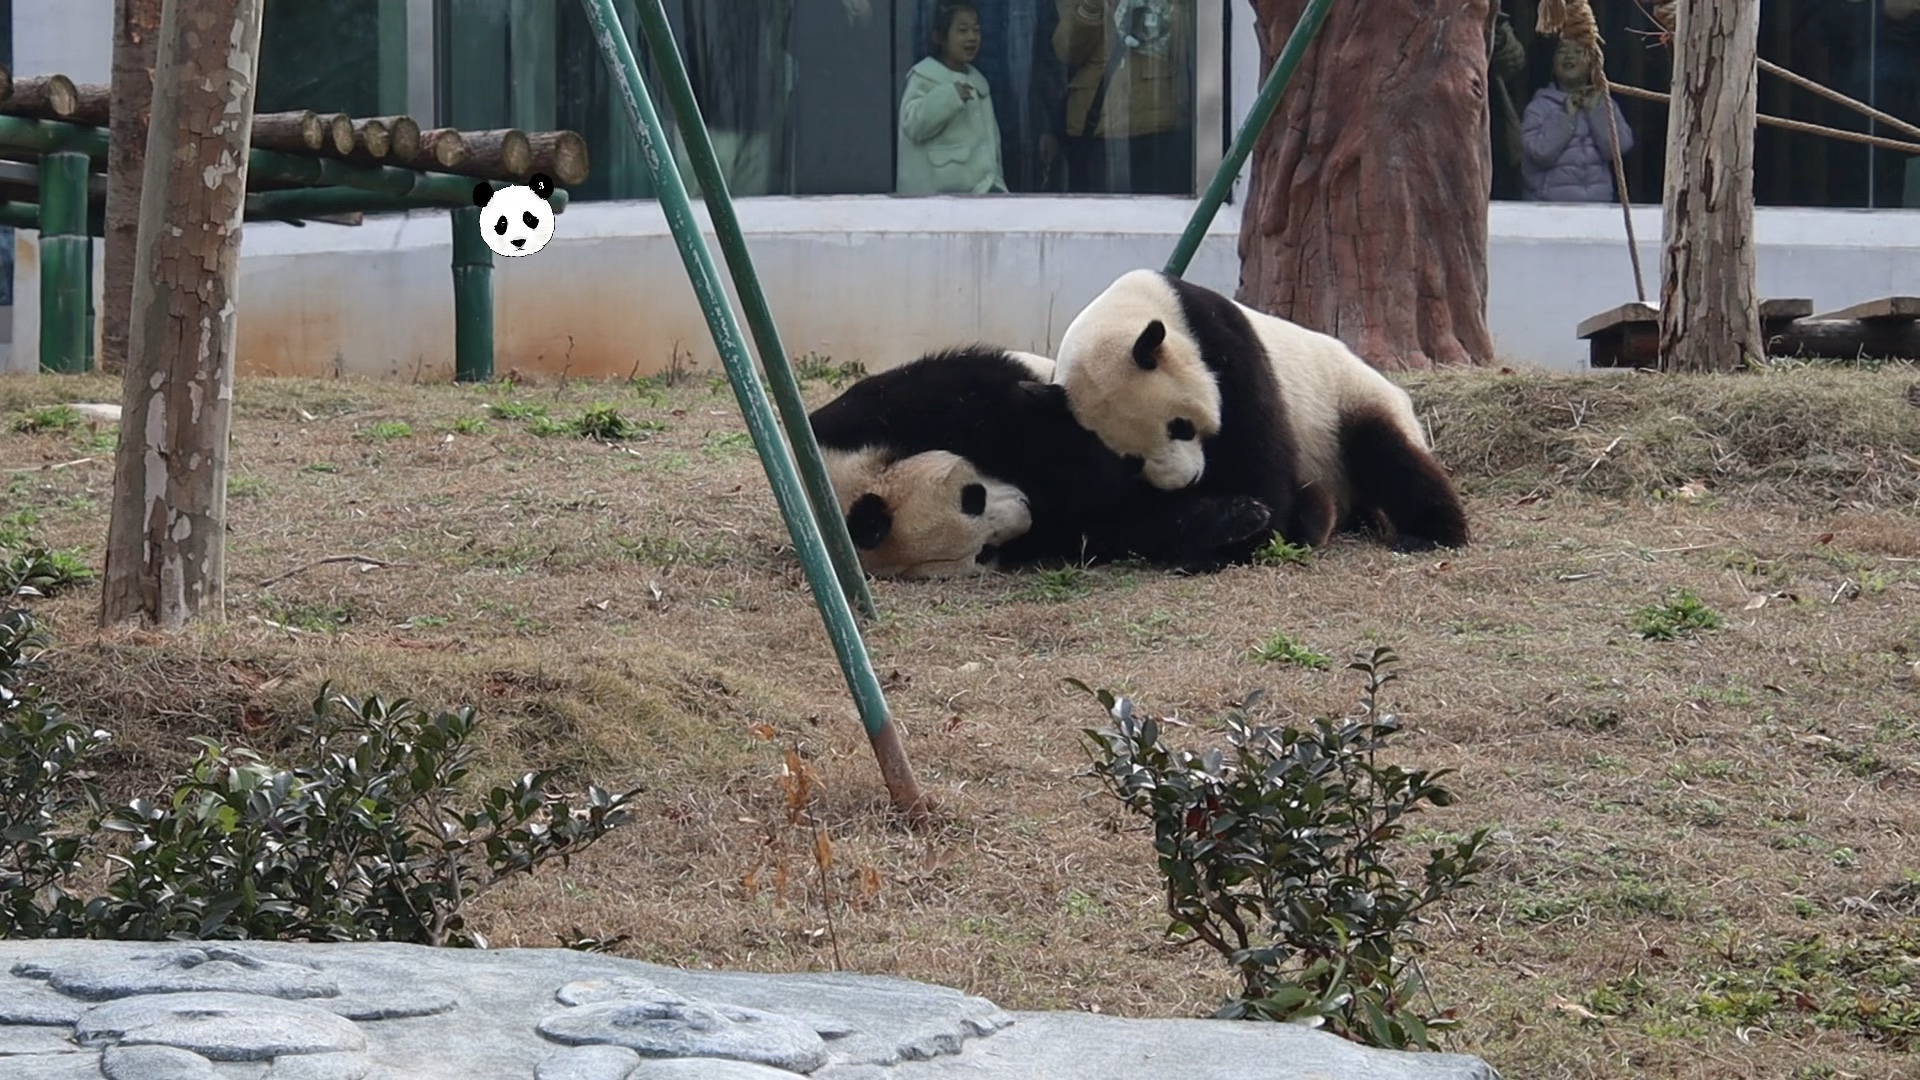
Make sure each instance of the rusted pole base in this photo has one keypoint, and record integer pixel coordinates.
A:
(898, 775)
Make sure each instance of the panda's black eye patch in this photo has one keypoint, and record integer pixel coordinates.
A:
(532, 222)
(500, 227)
(973, 500)
(1180, 430)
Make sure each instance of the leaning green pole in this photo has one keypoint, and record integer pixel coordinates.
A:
(64, 278)
(658, 35)
(1249, 133)
(774, 456)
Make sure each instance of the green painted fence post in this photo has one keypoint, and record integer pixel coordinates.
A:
(658, 34)
(472, 298)
(64, 292)
(844, 631)
(1249, 133)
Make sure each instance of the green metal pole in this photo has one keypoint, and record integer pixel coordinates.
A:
(472, 299)
(1256, 121)
(20, 215)
(774, 458)
(658, 34)
(63, 262)
(318, 202)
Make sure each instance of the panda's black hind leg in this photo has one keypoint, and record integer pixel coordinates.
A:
(1182, 529)
(1404, 483)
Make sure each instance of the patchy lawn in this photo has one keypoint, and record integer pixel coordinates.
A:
(1676, 672)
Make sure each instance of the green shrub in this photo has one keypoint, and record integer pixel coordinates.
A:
(1275, 852)
(373, 838)
(42, 781)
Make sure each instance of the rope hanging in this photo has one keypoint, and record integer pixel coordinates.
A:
(1573, 21)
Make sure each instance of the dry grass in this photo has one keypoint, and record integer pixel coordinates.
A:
(1672, 816)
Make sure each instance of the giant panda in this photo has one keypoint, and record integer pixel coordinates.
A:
(1217, 397)
(924, 515)
(999, 410)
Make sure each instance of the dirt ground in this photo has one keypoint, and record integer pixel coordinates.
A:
(1706, 849)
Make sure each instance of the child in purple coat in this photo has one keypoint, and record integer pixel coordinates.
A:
(1568, 143)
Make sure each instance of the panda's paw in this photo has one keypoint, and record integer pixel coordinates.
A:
(1242, 519)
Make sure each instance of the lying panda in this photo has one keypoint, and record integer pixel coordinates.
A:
(926, 515)
(997, 410)
(1219, 398)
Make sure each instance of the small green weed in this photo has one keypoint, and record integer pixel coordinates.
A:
(50, 418)
(1283, 648)
(1280, 551)
(1058, 585)
(1680, 614)
(470, 425)
(390, 429)
(516, 410)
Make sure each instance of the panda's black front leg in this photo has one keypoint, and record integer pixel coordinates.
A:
(1181, 528)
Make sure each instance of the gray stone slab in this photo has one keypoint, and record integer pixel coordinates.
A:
(370, 1011)
(36, 1039)
(154, 1063)
(220, 1026)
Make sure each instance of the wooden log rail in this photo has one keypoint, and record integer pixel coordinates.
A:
(506, 155)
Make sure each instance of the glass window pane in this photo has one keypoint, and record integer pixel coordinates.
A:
(334, 56)
(1868, 50)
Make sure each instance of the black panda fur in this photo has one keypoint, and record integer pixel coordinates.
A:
(1379, 475)
(999, 412)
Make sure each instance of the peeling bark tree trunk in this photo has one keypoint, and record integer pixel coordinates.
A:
(166, 544)
(1366, 211)
(136, 37)
(1709, 307)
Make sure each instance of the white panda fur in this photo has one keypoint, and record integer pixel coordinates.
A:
(1268, 408)
(926, 515)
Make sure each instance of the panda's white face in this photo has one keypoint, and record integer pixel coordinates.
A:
(1142, 388)
(517, 220)
(930, 515)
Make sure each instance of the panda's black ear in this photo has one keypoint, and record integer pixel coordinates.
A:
(482, 192)
(542, 185)
(1146, 347)
(869, 521)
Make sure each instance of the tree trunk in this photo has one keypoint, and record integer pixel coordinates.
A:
(136, 36)
(166, 544)
(1709, 303)
(1366, 208)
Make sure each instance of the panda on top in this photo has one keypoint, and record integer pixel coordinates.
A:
(997, 412)
(1217, 397)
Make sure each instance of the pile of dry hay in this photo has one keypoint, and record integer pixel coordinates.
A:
(1811, 436)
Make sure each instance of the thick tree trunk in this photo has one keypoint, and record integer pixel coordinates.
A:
(136, 37)
(166, 544)
(1366, 208)
(1709, 302)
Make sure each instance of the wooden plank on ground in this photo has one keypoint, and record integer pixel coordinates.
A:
(1885, 307)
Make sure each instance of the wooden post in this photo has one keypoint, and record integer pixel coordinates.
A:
(1709, 300)
(136, 35)
(166, 544)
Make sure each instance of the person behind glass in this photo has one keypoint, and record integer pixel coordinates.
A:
(1568, 142)
(949, 139)
(1128, 100)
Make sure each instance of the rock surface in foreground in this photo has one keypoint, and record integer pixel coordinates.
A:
(86, 1010)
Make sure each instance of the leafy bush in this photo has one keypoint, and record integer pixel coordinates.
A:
(1274, 853)
(42, 780)
(372, 839)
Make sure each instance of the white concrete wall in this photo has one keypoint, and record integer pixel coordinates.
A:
(63, 37)
(879, 279)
